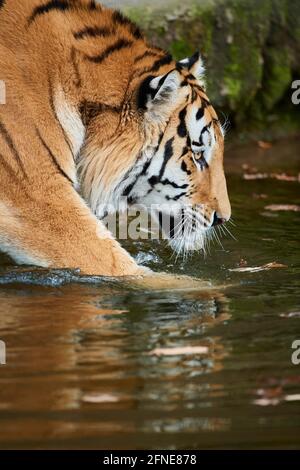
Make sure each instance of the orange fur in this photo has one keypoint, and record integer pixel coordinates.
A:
(72, 75)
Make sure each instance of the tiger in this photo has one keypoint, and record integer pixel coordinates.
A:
(94, 113)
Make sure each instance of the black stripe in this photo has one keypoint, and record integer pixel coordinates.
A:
(2, 2)
(58, 5)
(167, 182)
(12, 147)
(200, 114)
(67, 140)
(144, 91)
(129, 188)
(204, 129)
(167, 59)
(57, 165)
(117, 46)
(185, 168)
(202, 163)
(167, 155)
(175, 198)
(93, 5)
(146, 166)
(93, 31)
(182, 129)
(75, 67)
(120, 19)
(7, 166)
(147, 53)
(194, 59)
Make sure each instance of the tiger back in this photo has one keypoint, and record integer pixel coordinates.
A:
(93, 113)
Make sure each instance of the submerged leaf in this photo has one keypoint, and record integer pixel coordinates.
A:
(183, 351)
(256, 269)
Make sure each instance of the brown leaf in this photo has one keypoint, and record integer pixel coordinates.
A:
(264, 145)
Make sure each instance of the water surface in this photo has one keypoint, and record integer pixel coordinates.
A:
(82, 369)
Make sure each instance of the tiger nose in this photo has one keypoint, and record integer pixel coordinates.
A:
(218, 220)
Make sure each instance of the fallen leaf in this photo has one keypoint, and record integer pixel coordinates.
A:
(256, 269)
(100, 398)
(255, 176)
(264, 145)
(272, 392)
(183, 351)
(267, 401)
(283, 207)
(285, 177)
(295, 397)
(290, 315)
(277, 176)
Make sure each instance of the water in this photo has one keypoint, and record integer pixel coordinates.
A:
(82, 371)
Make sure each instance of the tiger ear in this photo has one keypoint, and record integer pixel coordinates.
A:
(194, 65)
(158, 96)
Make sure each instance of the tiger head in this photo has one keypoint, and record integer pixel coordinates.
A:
(166, 152)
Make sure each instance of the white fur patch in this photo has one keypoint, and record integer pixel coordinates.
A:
(70, 121)
(20, 257)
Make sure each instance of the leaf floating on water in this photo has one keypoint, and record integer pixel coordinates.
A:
(256, 269)
(290, 315)
(256, 176)
(284, 177)
(295, 397)
(283, 207)
(183, 351)
(266, 401)
(100, 398)
(276, 176)
(264, 145)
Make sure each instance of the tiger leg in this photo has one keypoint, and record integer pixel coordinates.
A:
(59, 231)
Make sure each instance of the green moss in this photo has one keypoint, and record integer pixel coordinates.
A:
(278, 76)
(250, 47)
(180, 49)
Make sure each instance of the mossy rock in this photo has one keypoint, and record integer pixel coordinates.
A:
(251, 48)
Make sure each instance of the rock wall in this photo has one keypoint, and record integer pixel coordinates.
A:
(251, 50)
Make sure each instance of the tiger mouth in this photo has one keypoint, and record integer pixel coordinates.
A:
(185, 232)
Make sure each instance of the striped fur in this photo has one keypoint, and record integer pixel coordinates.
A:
(94, 114)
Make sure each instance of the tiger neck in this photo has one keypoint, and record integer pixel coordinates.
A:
(91, 117)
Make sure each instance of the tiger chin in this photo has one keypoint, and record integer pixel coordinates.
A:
(93, 113)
